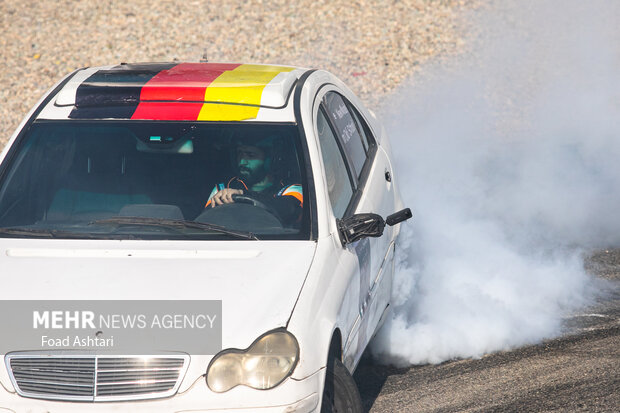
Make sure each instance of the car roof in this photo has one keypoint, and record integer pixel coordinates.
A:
(175, 91)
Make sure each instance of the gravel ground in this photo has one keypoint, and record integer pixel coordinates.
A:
(372, 45)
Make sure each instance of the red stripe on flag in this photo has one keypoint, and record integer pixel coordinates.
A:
(184, 83)
(167, 111)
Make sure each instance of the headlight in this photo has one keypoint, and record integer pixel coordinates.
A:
(263, 365)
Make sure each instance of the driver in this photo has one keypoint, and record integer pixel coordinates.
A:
(256, 178)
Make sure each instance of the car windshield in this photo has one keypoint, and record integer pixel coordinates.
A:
(155, 180)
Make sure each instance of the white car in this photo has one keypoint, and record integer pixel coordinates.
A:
(259, 189)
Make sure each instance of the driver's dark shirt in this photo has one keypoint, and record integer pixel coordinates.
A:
(286, 200)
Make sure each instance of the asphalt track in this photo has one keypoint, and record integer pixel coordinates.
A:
(577, 372)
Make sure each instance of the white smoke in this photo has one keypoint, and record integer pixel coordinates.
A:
(510, 161)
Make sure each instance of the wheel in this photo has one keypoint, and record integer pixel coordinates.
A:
(340, 394)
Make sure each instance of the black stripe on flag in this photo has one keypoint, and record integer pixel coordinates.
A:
(114, 93)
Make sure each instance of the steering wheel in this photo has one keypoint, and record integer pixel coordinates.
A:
(246, 199)
(245, 214)
(249, 200)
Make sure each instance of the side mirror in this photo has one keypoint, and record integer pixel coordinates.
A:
(360, 226)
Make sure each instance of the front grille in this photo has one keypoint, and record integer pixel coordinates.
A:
(96, 377)
(50, 376)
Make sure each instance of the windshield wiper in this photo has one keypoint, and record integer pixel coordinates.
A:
(43, 233)
(174, 224)
(51, 233)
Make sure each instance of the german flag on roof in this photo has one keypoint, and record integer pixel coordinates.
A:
(183, 91)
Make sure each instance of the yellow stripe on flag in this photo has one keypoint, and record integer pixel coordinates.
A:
(243, 85)
(224, 112)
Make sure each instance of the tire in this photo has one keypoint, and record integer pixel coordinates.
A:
(340, 394)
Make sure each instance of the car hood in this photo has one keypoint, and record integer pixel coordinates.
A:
(258, 282)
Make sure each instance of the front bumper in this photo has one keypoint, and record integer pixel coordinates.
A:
(302, 396)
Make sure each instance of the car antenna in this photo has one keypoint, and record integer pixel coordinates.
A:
(204, 58)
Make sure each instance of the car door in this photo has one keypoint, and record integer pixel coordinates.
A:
(367, 169)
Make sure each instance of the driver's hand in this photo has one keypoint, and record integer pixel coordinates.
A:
(224, 196)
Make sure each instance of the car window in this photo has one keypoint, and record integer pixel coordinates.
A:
(339, 184)
(362, 128)
(91, 178)
(347, 129)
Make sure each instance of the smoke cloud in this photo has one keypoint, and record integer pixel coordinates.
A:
(509, 158)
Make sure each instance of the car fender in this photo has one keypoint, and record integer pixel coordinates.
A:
(328, 301)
